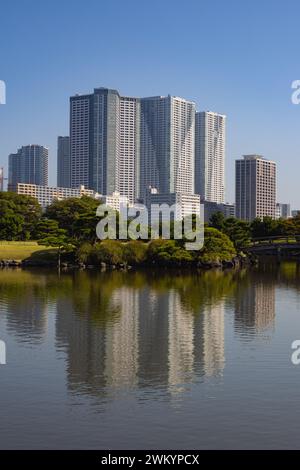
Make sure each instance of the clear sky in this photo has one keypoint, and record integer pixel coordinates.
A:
(234, 57)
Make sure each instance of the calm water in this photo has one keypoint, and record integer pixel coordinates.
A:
(135, 360)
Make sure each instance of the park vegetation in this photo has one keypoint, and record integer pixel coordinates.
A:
(69, 226)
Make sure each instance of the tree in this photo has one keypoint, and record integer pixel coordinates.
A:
(217, 220)
(164, 252)
(217, 247)
(109, 252)
(11, 223)
(19, 215)
(238, 231)
(267, 227)
(134, 252)
(54, 237)
(75, 215)
(45, 227)
(84, 252)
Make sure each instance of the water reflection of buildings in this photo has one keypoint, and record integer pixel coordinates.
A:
(27, 317)
(213, 339)
(153, 341)
(196, 342)
(121, 340)
(255, 307)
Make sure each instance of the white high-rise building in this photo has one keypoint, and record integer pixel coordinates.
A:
(128, 161)
(167, 145)
(255, 187)
(210, 137)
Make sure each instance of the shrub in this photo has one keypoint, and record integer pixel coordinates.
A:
(217, 247)
(84, 252)
(134, 252)
(168, 252)
(109, 252)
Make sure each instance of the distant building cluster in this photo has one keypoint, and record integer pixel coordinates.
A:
(132, 150)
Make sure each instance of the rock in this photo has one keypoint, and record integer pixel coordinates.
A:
(228, 264)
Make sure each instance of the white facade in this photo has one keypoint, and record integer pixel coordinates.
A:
(127, 174)
(210, 140)
(186, 204)
(167, 145)
(46, 194)
(115, 201)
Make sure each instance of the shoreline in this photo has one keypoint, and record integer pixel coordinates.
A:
(237, 262)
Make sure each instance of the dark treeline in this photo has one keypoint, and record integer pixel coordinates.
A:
(70, 226)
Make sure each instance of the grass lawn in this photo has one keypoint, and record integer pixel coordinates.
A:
(21, 250)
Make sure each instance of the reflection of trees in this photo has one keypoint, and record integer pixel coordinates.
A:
(137, 329)
(24, 305)
(128, 329)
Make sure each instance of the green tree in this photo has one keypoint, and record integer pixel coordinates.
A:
(217, 221)
(46, 227)
(11, 223)
(217, 247)
(164, 252)
(134, 252)
(84, 252)
(19, 212)
(55, 237)
(267, 227)
(75, 215)
(109, 252)
(238, 231)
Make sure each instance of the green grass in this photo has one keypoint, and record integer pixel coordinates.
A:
(21, 250)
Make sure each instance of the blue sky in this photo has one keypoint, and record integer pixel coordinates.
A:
(233, 57)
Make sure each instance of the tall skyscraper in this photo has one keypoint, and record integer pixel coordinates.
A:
(255, 193)
(28, 165)
(210, 129)
(104, 142)
(167, 145)
(81, 139)
(63, 162)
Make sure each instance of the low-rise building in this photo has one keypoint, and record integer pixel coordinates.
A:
(210, 208)
(114, 200)
(47, 194)
(186, 204)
